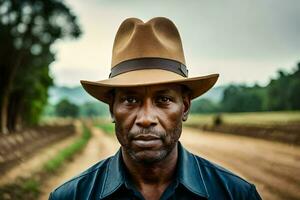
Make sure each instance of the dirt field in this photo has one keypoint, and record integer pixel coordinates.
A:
(273, 167)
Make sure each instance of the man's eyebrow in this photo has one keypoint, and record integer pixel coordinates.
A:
(133, 92)
(164, 91)
(127, 91)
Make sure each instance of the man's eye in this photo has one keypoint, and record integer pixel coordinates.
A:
(130, 100)
(163, 99)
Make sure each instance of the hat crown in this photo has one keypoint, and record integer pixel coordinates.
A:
(140, 48)
(157, 38)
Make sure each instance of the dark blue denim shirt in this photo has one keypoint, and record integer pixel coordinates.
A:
(196, 178)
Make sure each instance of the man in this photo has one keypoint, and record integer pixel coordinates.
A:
(149, 95)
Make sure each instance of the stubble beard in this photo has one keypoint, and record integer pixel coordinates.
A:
(174, 135)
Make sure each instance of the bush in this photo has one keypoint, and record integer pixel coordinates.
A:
(66, 109)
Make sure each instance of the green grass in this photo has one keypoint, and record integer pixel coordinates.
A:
(253, 118)
(31, 185)
(67, 153)
(107, 127)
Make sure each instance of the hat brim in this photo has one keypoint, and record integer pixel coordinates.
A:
(100, 89)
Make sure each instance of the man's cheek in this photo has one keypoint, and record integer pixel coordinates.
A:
(120, 134)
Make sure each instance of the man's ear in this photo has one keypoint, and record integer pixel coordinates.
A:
(186, 99)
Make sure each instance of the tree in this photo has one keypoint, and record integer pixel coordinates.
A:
(28, 28)
(283, 92)
(242, 99)
(66, 109)
(277, 92)
(294, 95)
(93, 109)
(204, 106)
(294, 90)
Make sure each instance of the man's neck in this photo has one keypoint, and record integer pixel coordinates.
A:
(156, 177)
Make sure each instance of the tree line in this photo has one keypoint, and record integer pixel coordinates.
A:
(28, 29)
(281, 94)
(66, 108)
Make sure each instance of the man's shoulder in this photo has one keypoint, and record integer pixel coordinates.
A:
(218, 178)
(217, 170)
(83, 183)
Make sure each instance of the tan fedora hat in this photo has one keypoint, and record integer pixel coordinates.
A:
(148, 54)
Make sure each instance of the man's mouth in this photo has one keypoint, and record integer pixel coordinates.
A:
(146, 141)
(146, 137)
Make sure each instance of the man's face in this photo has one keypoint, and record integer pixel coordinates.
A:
(149, 119)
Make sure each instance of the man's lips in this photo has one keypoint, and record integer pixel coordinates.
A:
(146, 141)
(146, 137)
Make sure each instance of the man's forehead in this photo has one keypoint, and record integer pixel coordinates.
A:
(163, 88)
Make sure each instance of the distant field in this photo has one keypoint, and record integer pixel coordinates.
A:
(253, 118)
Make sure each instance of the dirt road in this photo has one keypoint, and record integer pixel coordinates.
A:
(99, 147)
(273, 167)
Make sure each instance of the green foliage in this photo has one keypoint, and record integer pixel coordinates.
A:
(31, 185)
(93, 109)
(242, 99)
(89, 109)
(28, 29)
(204, 106)
(37, 93)
(294, 94)
(66, 109)
(282, 93)
(277, 92)
(67, 153)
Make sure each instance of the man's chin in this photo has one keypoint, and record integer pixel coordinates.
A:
(148, 156)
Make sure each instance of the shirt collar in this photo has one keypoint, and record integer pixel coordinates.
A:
(189, 176)
(114, 176)
(189, 172)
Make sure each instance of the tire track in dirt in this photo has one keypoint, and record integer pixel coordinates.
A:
(100, 146)
(272, 166)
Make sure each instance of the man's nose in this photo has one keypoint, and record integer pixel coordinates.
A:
(146, 116)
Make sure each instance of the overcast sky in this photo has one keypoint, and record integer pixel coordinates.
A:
(244, 41)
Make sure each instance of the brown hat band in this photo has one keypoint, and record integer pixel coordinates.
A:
(149, 63)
